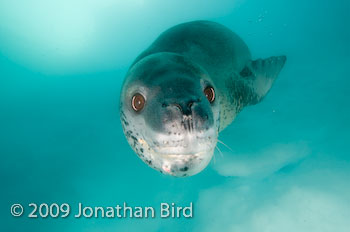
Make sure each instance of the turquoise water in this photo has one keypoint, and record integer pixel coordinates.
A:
(62, 64)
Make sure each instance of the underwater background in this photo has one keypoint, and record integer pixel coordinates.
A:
(62, 64)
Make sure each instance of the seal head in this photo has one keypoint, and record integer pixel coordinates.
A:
(170, 113)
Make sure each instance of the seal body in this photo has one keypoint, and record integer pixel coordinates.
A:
(189, 85)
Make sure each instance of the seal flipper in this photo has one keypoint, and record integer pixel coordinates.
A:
(260, 74)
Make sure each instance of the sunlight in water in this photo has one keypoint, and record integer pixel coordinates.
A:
(282, 165)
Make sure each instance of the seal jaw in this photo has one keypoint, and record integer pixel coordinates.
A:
(181, 165)
(186, 156)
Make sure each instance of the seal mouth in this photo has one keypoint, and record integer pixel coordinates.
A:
(183, 157)
(186, 144)
(184, 150)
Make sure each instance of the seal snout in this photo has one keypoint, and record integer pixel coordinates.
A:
(186, 115)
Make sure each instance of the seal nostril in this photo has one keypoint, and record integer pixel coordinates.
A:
(178, 106)
(185, 109)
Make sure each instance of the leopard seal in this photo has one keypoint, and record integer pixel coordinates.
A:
(187, 87)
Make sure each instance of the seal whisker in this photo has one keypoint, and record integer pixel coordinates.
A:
(187, 123)
(222, 155)
(214, 160)
(225, 145)
(192, 124)
(183, 123)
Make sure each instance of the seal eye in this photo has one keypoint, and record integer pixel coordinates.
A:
(209, 93)
(138, 102)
